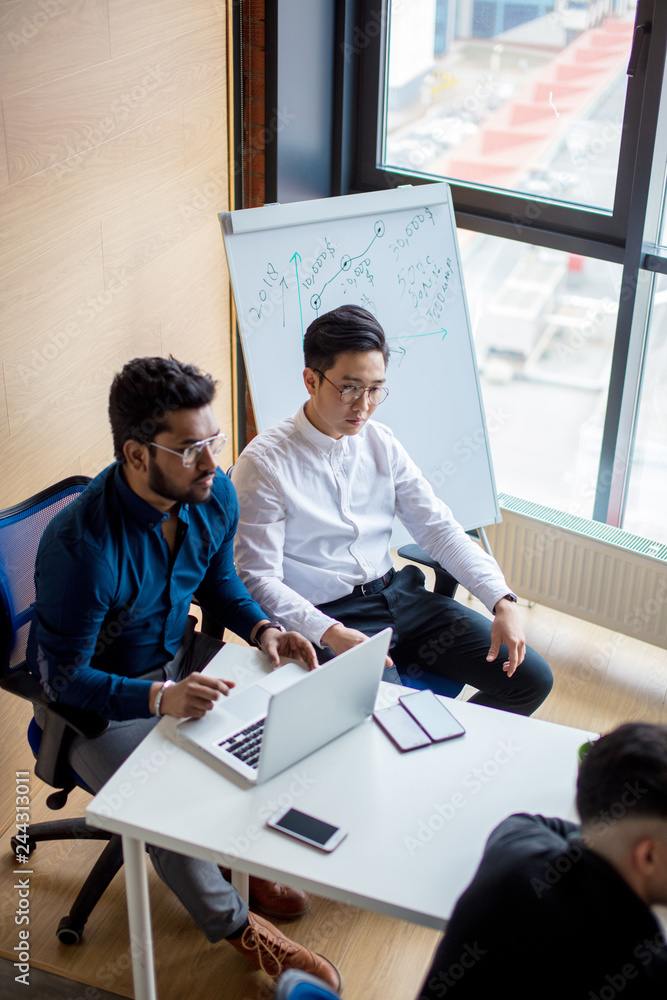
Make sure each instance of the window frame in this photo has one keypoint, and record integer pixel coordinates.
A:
(627, 235)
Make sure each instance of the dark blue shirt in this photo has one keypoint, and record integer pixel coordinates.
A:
(112, 602)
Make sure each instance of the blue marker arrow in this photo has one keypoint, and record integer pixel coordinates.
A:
(403, 353)
(410, 336)
(296, 257)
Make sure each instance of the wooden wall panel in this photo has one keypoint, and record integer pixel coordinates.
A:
(42, 42)
(193, 312)
(4, 419)
(167, 216)
(51, 123)
(97, 455)
(131, 23)
(39, 296)
(4, 169)
(42, 211)
(53, 396)
(191, 306)
(205, 128)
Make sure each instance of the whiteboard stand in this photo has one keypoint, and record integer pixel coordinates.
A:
(483, 537)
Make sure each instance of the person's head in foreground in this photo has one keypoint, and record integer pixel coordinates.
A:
(622, 804)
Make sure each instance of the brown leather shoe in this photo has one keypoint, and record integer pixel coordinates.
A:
(267, 948)
(274, 899)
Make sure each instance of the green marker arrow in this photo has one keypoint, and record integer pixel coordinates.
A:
(411, 336)
(296, 257)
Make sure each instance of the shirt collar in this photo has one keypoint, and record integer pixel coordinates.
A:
(149, 516)
(321, 441)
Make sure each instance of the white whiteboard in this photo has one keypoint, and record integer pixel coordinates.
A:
(396, 254)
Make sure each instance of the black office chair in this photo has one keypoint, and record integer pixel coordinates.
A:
(21, 528)
(444, 584)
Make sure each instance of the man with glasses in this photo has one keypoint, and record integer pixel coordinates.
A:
(115, 575)
(318, 494)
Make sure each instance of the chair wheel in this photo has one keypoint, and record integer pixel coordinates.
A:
(67, 932)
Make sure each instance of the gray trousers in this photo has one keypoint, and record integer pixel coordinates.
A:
(214, 904)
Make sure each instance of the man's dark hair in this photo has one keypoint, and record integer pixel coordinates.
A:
(348, 328)
(145, 392)
(624, 773)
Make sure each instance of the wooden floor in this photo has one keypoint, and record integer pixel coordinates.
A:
(601, 679)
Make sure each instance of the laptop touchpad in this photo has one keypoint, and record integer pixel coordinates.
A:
(248, 704)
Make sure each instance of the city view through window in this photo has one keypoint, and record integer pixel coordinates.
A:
(530, 98)
(536, 107)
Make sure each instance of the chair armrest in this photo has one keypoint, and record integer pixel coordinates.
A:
(52, 764)
(444, 582)
(24, 684)
(209, 625)
(61, 724)
(88, 724)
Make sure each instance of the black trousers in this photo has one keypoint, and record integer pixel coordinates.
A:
(437, 634)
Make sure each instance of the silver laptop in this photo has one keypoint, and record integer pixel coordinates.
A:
(289, 713)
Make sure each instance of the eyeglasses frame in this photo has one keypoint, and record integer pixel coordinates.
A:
(196, 448)
(361, 389)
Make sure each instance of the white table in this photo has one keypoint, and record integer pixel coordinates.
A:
(423, 816)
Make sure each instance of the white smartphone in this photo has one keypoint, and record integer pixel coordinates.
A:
(307, 828)
(432, 716)
(404, 732)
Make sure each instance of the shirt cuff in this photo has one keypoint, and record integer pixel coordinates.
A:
(500, 598)
(490, 595)
(311, 624)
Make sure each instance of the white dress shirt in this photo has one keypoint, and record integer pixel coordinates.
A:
(316, 518)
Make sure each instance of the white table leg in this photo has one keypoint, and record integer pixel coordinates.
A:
(139, 916)
(241, 883)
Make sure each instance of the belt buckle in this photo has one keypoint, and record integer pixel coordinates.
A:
(363, 589)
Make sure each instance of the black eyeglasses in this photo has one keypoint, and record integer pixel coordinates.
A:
(376, 393)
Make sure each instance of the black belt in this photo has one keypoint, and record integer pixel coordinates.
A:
(374, 586)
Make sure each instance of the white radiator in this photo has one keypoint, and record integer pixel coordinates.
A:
(584, 568)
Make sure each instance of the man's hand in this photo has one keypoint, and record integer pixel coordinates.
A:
(507, 628)
(292, 645)
(339, 638)
(190, 698)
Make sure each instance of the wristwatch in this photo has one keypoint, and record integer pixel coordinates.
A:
(262, 629)
(507, 597)
(158, 697)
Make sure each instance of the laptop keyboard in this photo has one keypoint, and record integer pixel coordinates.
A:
(246, 744)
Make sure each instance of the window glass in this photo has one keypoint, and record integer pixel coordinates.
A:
(662, 240)
(524, 96)
(645, 504)
(543, 323)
